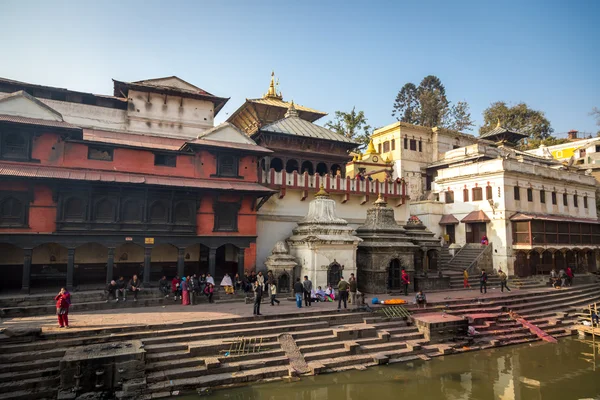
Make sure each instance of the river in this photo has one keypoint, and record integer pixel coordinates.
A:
(526, 372)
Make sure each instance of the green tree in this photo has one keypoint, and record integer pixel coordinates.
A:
(458, 117)
(352, 125)
(518, 117)
(433, 101)
(407, 106)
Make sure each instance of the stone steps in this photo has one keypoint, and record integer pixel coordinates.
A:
(31, 373)
(29, 384)
(34, 364)
(41, 393)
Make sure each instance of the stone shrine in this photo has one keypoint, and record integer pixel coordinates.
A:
(323, 244)
(429, 246)
(283, 266)
(384, 251)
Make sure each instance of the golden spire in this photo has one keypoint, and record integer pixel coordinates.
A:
(371, 148)
(380, 201)
(498, 124)
(291, 112)
(386, 160)
(272, 93)
(322, 192)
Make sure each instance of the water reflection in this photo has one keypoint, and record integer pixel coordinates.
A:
(529, 372)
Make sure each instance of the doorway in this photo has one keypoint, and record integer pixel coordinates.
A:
(475, 231)
(451, 232)
(334, 275)
(394, 275)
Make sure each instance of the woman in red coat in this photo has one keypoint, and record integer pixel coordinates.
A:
(63, 301)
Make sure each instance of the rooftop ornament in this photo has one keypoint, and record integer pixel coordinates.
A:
(371, 148)
(322, 193)
(291, 112)
(272, 92)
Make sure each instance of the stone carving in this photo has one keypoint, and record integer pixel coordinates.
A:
(283, 266)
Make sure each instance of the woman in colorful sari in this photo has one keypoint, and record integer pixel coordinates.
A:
(185, 291)
(63, 301)
(227, 284)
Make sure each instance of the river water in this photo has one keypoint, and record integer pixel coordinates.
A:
(526, 372)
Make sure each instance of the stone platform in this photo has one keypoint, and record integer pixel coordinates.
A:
(440, 327)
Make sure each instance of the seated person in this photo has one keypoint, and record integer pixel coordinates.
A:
(595, 319)
(320, 294)
(111, 290)
(164, 286)
(329, 293)
(134, 286)
(421, 300)
(227, 284)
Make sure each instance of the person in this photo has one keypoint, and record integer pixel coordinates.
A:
(570, 276)
(185, 291)
(307, 286)
(237, 281)
(466, 283)
(227, 284)
(63, 302)
(484, 240)
(175, 283)
(270, 280)
(503, 278)
(194, 288)
(298, 291)
(343, 293)
(330, 293)
(405, 281)
(353, 289)
(202, 282)
(252, 278)
(483, 282)
(273, 290)
(261, 279)
(121, 288)
(210, 279)
(421, 299)
(595, 318)
(246, 282)
(563, 278)
(320, 294)
(111, 290)
(134, 286)
(554, 278)
(258, 292)
(163, 286)
(208, 291)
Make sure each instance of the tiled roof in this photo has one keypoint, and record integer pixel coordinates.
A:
(503, 131)
(448, 219)
(548, 217)
(36, 121)
(44, 171)
(284, 104)
(299, 127)
(129, 139)
(476, 216)
(251, 148)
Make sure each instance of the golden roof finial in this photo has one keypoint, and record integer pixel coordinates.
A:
(380, 201)
(498, 124)
(291, 112)
(322, 192)
(371, 148)
(272, 92)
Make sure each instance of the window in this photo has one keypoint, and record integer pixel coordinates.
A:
(488, 193)
(74, 209)
(529, 194)
(386, 147)
(393, 144)
(132, 211)
(477, 194)
(420, 146)
(405, 143)
(565, 200)
(449, 197)
(466, 195)
(517, 192)
(227, 165)
(379, 148)
(14, 145)
(182, 213)
(167, 160)
(585, 202)
(226, 216)
(575, 200)
(543, 196)
(12, 212)
(597, 148)
(100, 153)
(158, 212)
(104, 211)
(413, 144)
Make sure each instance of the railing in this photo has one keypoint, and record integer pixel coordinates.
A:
(486, 252)
(334, 184)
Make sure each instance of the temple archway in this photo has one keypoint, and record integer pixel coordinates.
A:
(11, 266)
(307, 166)
(534, 262)
(591, 260)
(90, 266)
(291, 166)
(521, 267)
(394, 275)
(226, 262)
(283, 283)
(335, 168)
(49, 266)
(163, 261)
(571, 260)
(432, 260)
(559, 261)
(334, 274)
(322, 168)
(276, 164)
(196, 259)
(547, 262)
(129, 260)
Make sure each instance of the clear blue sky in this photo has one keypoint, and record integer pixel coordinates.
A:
(329, 55)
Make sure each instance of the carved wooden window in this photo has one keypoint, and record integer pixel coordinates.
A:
(386, 147)
(12, 212)
(517, 193)
(132, 211)
(74, 209)
(393, 144)
(100, 153)
(167, 160)
(488, 193)
(465, 194)
(405, 143)
(553, 198)
(226, 217)
(565, 200)
(477, 194)
(182, 213)
(529, 194)
(158, 212)
(449, 197)
(227, 165)
(14, 144)
(413, 144)
(543, 196)
(379, 148)
(104, 211)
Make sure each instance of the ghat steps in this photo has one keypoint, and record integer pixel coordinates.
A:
(185, 356)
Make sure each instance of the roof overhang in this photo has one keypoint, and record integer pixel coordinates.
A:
(549, 217)
(475, 217)
(449, 219)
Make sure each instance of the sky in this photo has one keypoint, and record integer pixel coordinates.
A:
(328, 55)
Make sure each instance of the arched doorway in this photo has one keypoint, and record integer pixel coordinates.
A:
(226, 262)
(334, 274)
(11, 266)
(291, 166)
(322, 168)
(547, 262)
(534, 262)
(276, 164)
(591, 261)
(129, 260)
(571, 260)
(307, 166)
(394, 275)
(195, 259)
(163, 261)
(418, 258)
(559, 261)
(521, 266)
(90, 266)
(283, 283)
(432, 260)
(49, 266)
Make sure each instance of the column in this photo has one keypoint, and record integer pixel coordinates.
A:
(70, 268)
(26, 270)
(180, 261)
(212, 261)
(147, 257)
(110, 262)
(240, 269)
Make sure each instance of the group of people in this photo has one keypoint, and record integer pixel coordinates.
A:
(118, 289)
(564, 277)
(187, 288)
(347, 292)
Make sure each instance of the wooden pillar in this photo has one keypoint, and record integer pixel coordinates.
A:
(212, 261)
(180, 261)
(240, 269)
(70, 268)
(110, 263)
(26, 271)
(147, 258)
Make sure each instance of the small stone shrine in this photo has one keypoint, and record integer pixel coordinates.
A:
(384, 251)
(323, 244)
(283, 266)
(429, 246)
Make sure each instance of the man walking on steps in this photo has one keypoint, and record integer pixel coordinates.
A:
(298, 291)
(353, 289)
(503, 279)
(258, 292)
(343, 287)
(405, 281)
(307, 286)
(483, 282)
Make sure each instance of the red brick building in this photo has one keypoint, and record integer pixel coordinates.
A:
(94, 187)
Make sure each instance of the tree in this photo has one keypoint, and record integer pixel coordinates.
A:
(427, 105)
(352, 125)
(518, 117)
(596, 114)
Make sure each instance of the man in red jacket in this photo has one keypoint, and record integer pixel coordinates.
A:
(405, 281)
(175, 287)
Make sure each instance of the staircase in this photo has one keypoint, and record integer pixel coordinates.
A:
(444, 257)
(466, 256)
